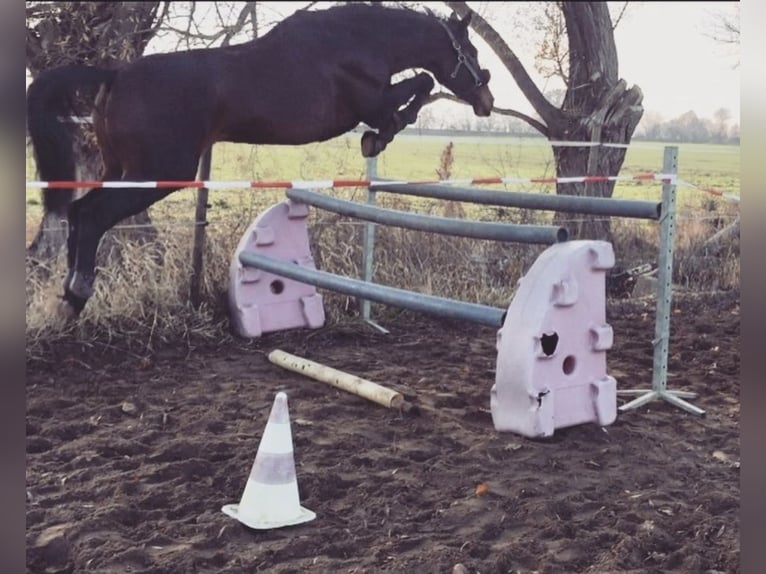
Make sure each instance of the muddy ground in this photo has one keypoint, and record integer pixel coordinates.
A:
(130, 457)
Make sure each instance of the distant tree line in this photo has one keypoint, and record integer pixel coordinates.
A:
(687, 128)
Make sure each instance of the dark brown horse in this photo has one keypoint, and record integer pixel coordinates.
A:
(314, 76)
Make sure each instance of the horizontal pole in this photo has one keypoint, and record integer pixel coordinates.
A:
(439, 306)
(545, 234)
(634, 208)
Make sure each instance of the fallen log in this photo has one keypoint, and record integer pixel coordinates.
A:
(347, 382)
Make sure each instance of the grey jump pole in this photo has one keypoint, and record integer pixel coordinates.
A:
(564, 203)
(439, 306)
(661, 340)
(537, 234)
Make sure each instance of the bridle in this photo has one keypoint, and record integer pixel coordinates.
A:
(463, 59)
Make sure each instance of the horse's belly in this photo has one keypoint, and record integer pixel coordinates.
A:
(295, 129)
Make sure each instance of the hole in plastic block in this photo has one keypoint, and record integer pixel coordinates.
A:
(277, 287)
(549, 343)
(568, 366)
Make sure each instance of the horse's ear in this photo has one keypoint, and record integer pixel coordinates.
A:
(464, 22)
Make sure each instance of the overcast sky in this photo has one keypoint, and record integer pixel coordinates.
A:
(661, 47)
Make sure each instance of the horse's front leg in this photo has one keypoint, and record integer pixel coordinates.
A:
(389, 118)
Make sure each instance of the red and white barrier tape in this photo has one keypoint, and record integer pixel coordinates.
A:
(712, 191)
(331, 183)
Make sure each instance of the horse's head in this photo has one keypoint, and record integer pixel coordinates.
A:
(459, 68)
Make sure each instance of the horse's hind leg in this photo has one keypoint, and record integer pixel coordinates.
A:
(90, 217)
(112, 171)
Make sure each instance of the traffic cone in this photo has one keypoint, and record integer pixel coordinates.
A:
(270, 499)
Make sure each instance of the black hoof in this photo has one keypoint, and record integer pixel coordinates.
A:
(77, 304)
(369, 144)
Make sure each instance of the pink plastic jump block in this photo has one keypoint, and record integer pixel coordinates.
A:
(551, 349)
(261, 302)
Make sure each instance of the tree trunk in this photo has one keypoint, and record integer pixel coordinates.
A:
(613, 120)
(598, 107)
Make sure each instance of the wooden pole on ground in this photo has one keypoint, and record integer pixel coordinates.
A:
(341, 380)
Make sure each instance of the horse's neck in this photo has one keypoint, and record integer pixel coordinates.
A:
(416, 52)
(405, 40)
(406, 44)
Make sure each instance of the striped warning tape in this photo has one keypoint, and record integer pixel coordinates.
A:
(712, 191)
(332, 183)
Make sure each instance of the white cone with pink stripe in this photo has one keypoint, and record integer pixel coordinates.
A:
(271, 499)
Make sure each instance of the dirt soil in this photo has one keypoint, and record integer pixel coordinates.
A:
(130, 458)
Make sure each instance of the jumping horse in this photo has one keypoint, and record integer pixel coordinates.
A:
(314, 76)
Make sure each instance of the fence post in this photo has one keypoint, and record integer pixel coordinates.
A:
(369, 244)
(661, 340)
(200, 223)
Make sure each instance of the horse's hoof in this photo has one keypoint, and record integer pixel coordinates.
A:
(80, 286)
(370, 144)
(66, 312)
(59, 313)
(74, 304)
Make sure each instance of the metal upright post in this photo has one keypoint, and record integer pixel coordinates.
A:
(661, 341)
(369, 245)
(200, 221)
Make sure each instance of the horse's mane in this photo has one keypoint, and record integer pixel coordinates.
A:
(374, 6)
(350, 8)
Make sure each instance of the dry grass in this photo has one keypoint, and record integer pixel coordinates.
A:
(142, 294)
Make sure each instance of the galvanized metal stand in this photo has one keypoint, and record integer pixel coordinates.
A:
(659, 388)
(369, 246)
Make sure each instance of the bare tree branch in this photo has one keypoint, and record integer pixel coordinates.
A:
(253, 21)
(617, 20)
(540, 127)
(547, 111)
(553, 54)
(247, 10)
(161, 19)
(725, 27)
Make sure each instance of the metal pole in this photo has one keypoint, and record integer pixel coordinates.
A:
(200, 222)
(369, 245)
(439, 306)
(661, 341)
(634, 208)
(541, 234)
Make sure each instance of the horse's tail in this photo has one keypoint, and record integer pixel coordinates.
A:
(49, 96)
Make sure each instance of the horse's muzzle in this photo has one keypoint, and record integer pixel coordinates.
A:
(483, 101)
